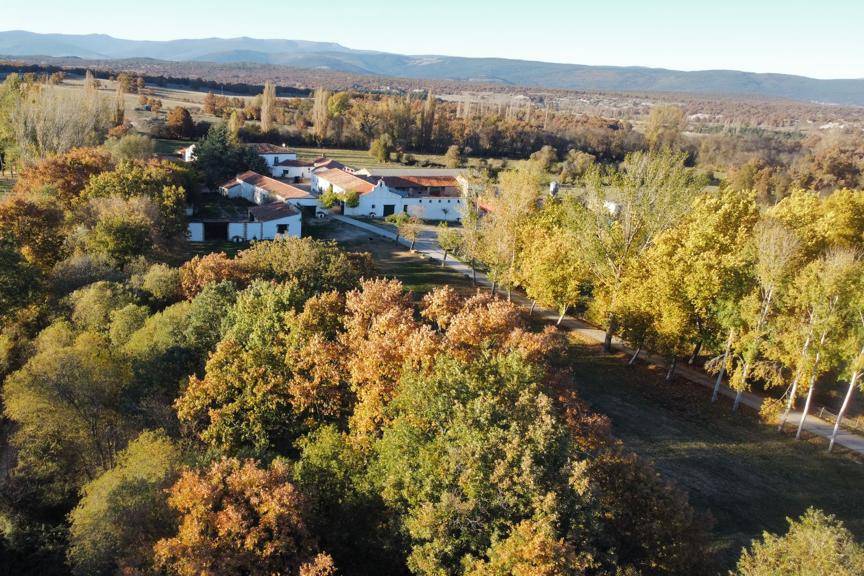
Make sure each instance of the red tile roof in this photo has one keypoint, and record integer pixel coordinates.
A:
(421, 181)
(346, 181)
(325, 162)
(273, 211)
(301, 163)
(275, 187)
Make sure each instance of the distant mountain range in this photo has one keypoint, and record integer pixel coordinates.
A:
(332, 56)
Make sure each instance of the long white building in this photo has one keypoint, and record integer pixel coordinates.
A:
(427, 194)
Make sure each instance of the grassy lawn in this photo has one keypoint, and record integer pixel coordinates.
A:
(362, 158)
(743, 472)
(391, 260)
(169, 147)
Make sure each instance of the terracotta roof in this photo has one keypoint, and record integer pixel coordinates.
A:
(275, 187)
(273, 211)
(302, 163)
(267, 148)
(325, 162)
(346, 181)
(420, 181)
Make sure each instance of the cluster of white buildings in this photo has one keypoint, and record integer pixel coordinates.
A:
(276, 204)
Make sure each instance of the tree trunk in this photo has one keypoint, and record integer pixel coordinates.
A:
(473, 273)
(533, 305)
(397, 238)
(726, 353)
(790, 403)
(413, 241)
(671, 372)
(610, 331)
(509, 293)
(493, 288)
(634, 356)
(444, 260)
(737, 402)
(843, 408)
(561, 317)
(696, 349)
(806, 408)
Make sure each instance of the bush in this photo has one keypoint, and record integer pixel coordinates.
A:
(162, 282)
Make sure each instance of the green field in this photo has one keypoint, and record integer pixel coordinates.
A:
(748, 476)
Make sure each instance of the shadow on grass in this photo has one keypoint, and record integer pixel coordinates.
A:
(749, 476)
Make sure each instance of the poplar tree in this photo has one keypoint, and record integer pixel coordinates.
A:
(268, 106)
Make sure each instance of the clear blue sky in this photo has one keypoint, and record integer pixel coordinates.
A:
(819, 38)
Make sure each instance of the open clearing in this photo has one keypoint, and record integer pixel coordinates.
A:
(746, 474)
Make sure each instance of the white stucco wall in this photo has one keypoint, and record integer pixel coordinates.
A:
(196, 231)
(291, 172)
(266, 230)
(430, 208)
(272, 159)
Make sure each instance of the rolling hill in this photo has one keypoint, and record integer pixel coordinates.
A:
(332, 56)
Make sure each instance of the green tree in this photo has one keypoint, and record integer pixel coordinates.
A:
(162, 282)
(19, 281)
(67, 403)
(130, 147)
(454, 158)
(219, 157)
(124, 511)
(382, 147)
(407, 227)
(449, 239)
(814, 544)
(622, 216)
(329, 198)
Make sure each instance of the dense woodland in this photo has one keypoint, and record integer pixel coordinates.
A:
(288, 411)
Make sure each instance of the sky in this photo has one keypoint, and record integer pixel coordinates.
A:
(817, 38)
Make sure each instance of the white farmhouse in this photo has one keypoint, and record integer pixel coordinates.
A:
(427, 194)
(273, 154)
(259, 189)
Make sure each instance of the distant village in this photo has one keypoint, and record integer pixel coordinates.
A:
(253, 206)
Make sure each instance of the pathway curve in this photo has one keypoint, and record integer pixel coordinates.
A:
(427, 245)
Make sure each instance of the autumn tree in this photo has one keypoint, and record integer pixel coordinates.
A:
(64, 176)
(777, 251)
(321, 115)
(268, 106)
(621, 218)
(816, 543)
(236, 517)
(180, 124)
(664, 126)
(454, 157)
(551, 266)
